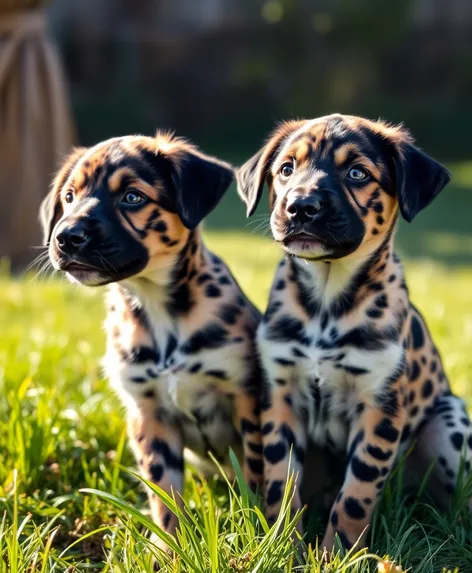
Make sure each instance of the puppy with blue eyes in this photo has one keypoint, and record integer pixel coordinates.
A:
(180, 332)
(350, 368)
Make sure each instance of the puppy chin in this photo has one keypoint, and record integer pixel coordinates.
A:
(310, 252)
(86, 278)
(304, 246)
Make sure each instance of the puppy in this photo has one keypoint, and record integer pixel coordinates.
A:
(181, 349)
(349, 363)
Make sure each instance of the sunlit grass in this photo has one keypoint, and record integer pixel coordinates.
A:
(62, 435)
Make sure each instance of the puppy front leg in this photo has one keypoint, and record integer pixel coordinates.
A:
(157, 445)
(247, 413)
(373, 447)
(281, 431)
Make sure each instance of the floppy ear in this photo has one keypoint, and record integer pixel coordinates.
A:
(254, 173)
(419, 180)
(51, 210)
(200, 181)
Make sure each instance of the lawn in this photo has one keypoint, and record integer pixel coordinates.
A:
(62, 429)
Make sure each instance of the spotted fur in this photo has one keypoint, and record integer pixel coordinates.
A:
(349, 363)
(180, 332)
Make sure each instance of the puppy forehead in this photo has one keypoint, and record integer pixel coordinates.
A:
(112, 164)
(337, 137)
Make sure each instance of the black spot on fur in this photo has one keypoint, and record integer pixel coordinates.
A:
(223, 280)
(344, 540)
(203, 278)
(414, 371)
(255, 465)
(212, 291)
(166, 520)
(274, 493)
(180, 300)
(374, 313)
(140, 354)
(381, 301)
(160, 226)
(248, 427)
(220, 374)
(287, 433)
(256, 448)
(170, 347)
(280, 285)
(363, 471)
(286, 328)
(379, 454)
(353, 508)
(355, 370)
(355, 442)
(389, 403)
(275, 453)
(457, 440)
(298, 353)
(211, 336)
(171, 460)
(284, 362)
(229, 313)
(267, 428)
(427, 389)
(385, 430)
(156, 471)
(405, 433)
(138, 379)
(195, 368)
(417, 332)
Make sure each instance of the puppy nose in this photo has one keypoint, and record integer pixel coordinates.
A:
(72, 240)
(304, 209)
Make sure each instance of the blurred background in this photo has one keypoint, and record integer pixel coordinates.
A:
(223, 72)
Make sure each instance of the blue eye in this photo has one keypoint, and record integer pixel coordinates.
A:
(358, 174)
(133, 198)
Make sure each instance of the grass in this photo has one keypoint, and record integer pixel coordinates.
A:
(69, 499)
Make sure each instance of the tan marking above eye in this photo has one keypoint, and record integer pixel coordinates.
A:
(303, 151)
(115, 180)
(342, 153)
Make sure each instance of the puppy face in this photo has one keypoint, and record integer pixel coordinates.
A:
(336, 183)
(127, 206)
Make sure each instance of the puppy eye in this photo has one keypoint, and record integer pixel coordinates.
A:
(358, 173)
(69, 197)
(286, 170)
(133, 198)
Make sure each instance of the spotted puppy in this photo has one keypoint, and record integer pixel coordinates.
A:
(350, 365)
(181, 350)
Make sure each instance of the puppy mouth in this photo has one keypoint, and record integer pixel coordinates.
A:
(94, 275)
(304, 241)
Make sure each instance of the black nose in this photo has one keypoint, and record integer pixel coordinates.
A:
(304, 209)
(72, 240)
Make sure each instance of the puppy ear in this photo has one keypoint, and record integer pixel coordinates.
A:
(419, 179)
(51, 209)
(252, 176)
(200, 182)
